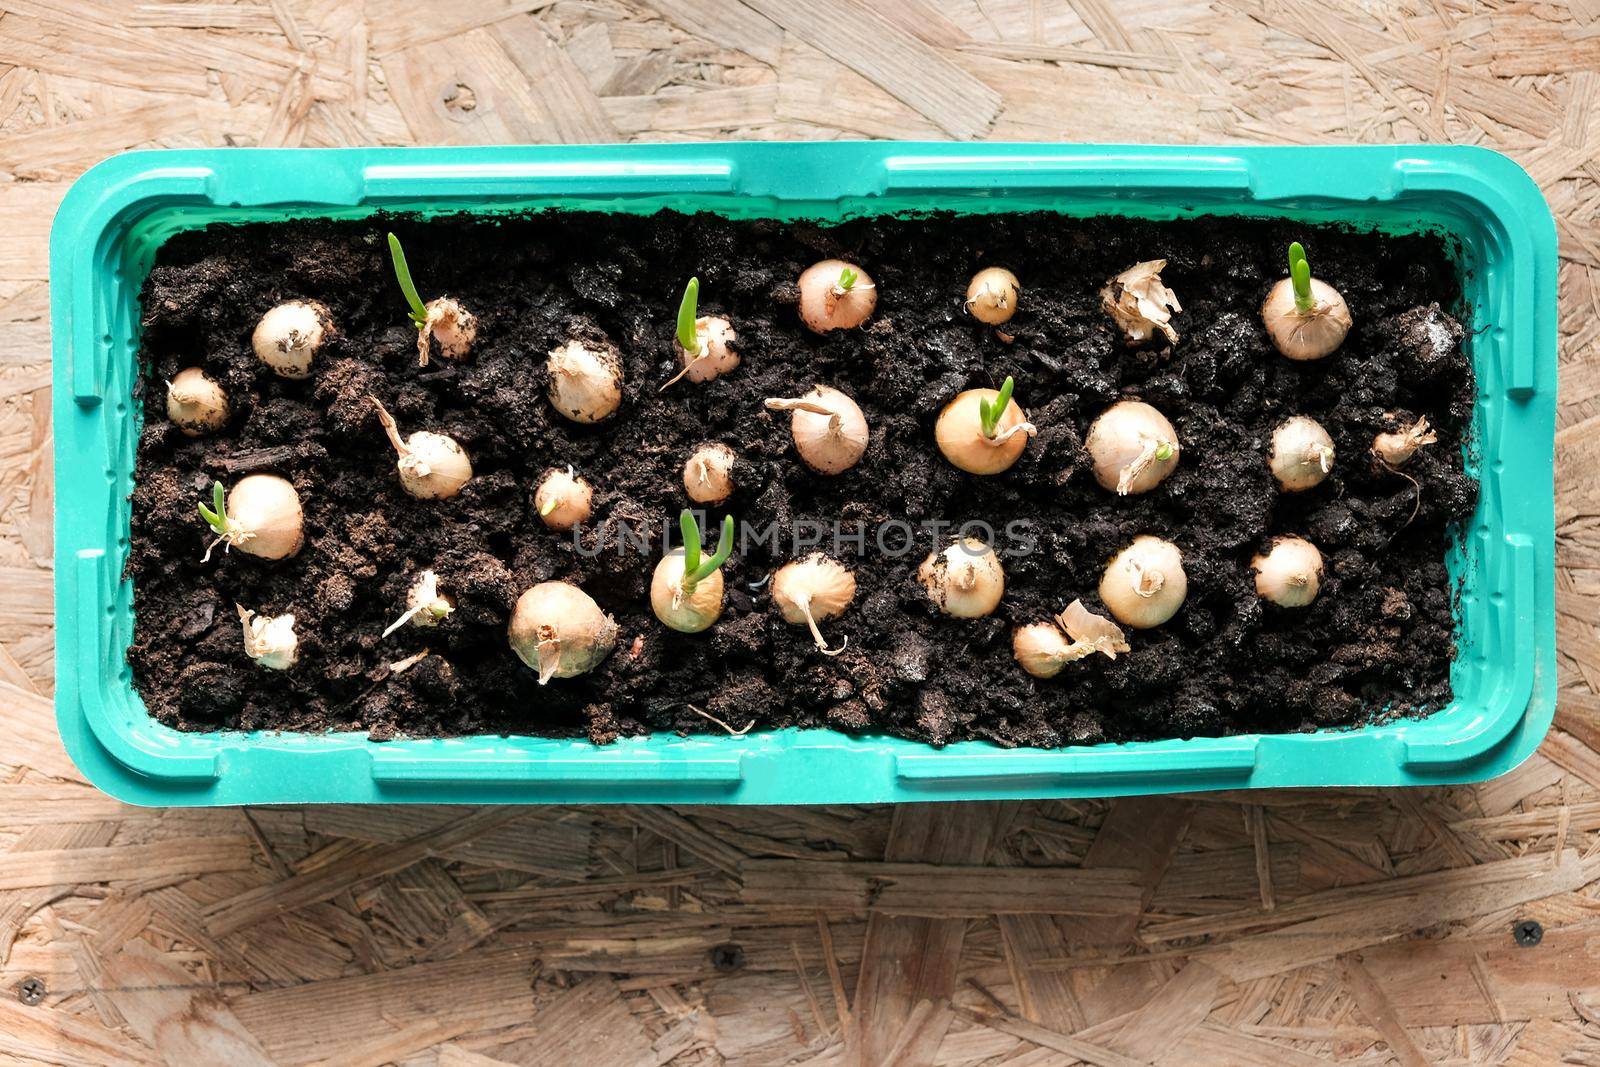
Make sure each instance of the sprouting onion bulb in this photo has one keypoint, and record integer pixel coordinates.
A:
(1305, 316)
(271, 642)
(1140, 303)
(585, 381)
(195, 403)
(1301, 455)
(706, 344)
(1289, 573)
(813, 590)
(443, 324)
(965, 580)
(1396, 448)
(992, 296)
(983, 431)
(1133, 447)
(425, 605)
(829, 430)
(1042, 649)
(563, 499)
(835, 295)
(686, 589)
(1144, 585)
(708, 474)
(288, 337)
(432, 465)
(559, 631)
(261, 517)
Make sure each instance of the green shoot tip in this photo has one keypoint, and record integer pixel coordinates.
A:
(989, 411)
(1300, 277)
(687, 309)
(402, 274)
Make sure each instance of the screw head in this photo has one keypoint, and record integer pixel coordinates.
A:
(1527, 932)
(31, 991)
(727, 957)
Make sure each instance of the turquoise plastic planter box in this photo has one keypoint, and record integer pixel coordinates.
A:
(118, 214)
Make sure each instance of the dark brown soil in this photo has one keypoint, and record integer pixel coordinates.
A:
(1377, 641)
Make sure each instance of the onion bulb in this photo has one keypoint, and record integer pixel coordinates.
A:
(425, 605)
(708, 474)
(813, 590)
(432, 465)
(261, 517)
(687, 611)
(1289, 574)
(559, 631)
(1395, 449)
(836, 295)
(992, 296)
(563, 499)
(195, 403)
(1140, 304)
(1042, 650)
(1144, 585)
(585, 381)
(271, 642)
(1305, 316)
(288, 336)
(1133, 447)
(830, 433)
(1301, 455)
(965, 580)
(974, 438)
(449, 325)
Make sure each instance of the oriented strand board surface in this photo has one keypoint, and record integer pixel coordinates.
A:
(1351, 926)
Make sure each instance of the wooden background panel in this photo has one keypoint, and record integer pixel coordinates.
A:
(1296, 927)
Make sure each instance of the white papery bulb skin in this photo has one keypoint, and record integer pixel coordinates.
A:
(716, 353)
(270, 642)
(1140, 303)
(1041, 649)
(585, 381)
(558, 630)
(992, 296)
(965, 580)
(1133, 448)
(426, 606)
(687, 612)
(1289, 574)
(264, 517)
(436, 468)
(829, 430)
(813, 590)
(563, 500)
(288, 336)
(708, 474)
(1396, 449)
(196, 404)
(448, 329)
(1301, 455)
(1144, 585)
(1306, 335)
(826, 305)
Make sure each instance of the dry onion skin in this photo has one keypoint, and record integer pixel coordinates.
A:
(1301, 454)
(983, 431)
(443, 324)
(813, 590)
(1043, 650)
(966, 580)
(829, 430)
(269, 641)
(1396, 448)
(1140, 303)
(836, 295)
(1306, 317)
(1133, 448)
(261, 517)
(563, 499)
(289, 336)
(992, 296)
(585, 381)
(558, 630)
(196, 404)
(1144, 585)
(708, 473)
(1289, 573)
(686, 589)
(432, 465)
(425, 605)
